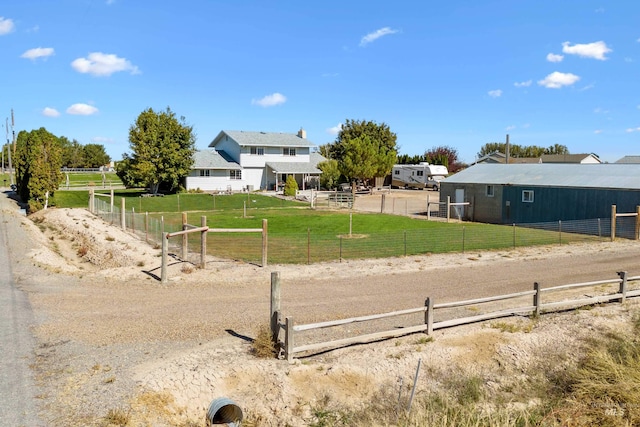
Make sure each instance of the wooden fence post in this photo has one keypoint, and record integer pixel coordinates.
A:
(111, 201)
(264, 242)
(613, 222)
(448, 208)
(91, 200)
(146, 227)
(623, 286)
(428, 315)
(288, 339)
(537, 299)
(185, 238)
(123, 214)
(382, 201)
(203, 243)
(165, 253)
(275, 305)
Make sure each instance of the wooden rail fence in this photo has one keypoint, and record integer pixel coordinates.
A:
(290, 329)
(203, 229)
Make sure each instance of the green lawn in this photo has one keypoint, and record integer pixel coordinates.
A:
(85, 179)
(297, 234)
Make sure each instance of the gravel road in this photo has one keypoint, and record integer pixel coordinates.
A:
(103, 332)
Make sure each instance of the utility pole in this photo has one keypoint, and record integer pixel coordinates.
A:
(14, 148)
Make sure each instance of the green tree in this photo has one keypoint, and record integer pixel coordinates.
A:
(290, 186)
(364, 149)
(72, 153)
(162, 150)
(330, 176)
(527, 151)
(95, 156)
(38, 161)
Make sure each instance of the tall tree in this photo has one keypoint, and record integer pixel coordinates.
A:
(364, 149)
(330, 174)
(95, 156)
(162, 150)
(38, 161)
(516, 150)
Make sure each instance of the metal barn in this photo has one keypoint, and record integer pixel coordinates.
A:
(529, 193)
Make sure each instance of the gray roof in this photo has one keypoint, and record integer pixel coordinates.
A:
(629, 159)
(290, 167)
(213, 159)
(609, 175)
(566, 158)
(263, 139)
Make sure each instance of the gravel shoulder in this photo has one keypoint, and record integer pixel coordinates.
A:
(111, 337)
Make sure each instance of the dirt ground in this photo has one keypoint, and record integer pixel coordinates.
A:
(113, 338)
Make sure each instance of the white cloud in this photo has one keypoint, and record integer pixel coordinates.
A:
(6, 26)
(99, 139)
(335, 130)
(597, 131)
(526, 125)
(633, 130)
(82, 110)
(495, 93)
(523, 84)
(512, 127)
(270, 100)
(599, 110)
(553, 57)
(595, 50)
(103, 64)
(599, 10)
(376, 35)
(38, 52)
(557, 79)
(50, 112)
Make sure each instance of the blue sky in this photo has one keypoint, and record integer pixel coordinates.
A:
(456, 73)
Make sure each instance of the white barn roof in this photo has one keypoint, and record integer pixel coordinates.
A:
(609, 175)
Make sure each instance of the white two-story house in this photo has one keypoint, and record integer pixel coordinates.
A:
(247, 161)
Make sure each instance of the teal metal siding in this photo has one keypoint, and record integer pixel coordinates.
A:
(553, 204)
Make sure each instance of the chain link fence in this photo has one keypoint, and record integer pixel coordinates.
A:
(313, 247)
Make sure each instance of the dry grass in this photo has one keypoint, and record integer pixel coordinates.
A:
(263, 345)
(117, 417)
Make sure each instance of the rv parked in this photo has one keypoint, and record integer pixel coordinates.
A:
(419, 176)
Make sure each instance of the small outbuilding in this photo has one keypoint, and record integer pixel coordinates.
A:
(531, 193)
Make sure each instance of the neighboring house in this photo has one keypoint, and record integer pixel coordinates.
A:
(505, 194)
(570, 158)
(498, 157)
(239, 161)
(629, 159)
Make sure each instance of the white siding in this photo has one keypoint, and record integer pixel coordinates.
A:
(272, 154)
(230, 147)
(219, 180)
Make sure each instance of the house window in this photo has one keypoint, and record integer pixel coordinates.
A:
(234, 174)
(527, 196)
(289, 151)
(257, 151)
(489, 190)
(204, 172)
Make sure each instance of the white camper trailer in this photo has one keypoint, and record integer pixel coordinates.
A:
(419, 176)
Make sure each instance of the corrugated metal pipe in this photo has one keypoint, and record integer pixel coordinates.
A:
(224, 411)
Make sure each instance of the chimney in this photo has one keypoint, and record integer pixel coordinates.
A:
(302, 133)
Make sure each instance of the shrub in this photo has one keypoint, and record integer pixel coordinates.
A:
(290, 187)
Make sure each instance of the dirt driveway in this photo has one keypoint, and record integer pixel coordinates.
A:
(111, 336)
